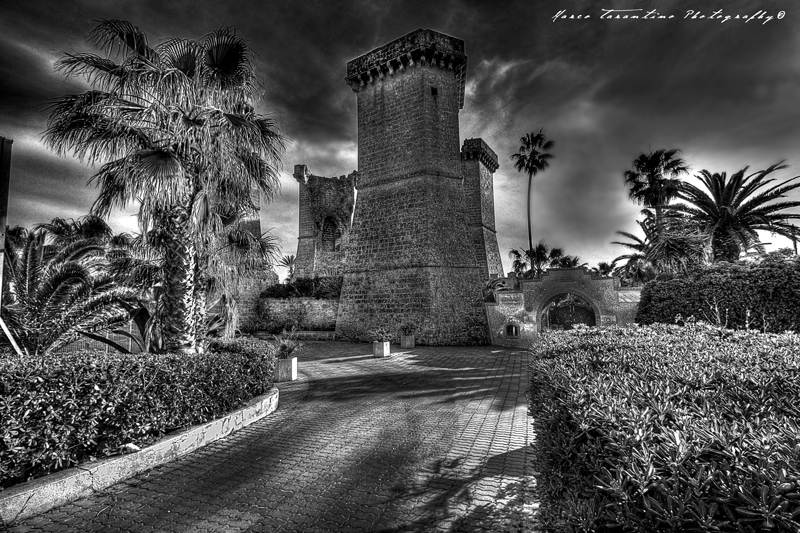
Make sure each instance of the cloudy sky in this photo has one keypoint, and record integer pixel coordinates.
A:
(725, 91)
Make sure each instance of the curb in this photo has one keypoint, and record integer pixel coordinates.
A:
(39, 495)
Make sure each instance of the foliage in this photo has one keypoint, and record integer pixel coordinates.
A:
(381, 334)
(288, 262)
(54, 294)
(653, 180)
(322, 287)
(730, 210)
(678, 247)
(407, 328)
(533, 157)
(667, 428)
(175, 129)
(287, 344)
(60, 410)
(491, 286)
(763, 294)
(539, 258)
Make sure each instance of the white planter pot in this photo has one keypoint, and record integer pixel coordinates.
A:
(286, 370)
(380, 349)
(407, 341)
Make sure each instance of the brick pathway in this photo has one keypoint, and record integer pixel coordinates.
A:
(431, 439)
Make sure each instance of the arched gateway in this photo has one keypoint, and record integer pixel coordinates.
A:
(519, 316)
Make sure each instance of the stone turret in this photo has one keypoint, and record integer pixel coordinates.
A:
(478, 164)
(411, 256)
(326, 209)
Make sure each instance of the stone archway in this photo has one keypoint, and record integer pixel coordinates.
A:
(565, 310)
(545, 299)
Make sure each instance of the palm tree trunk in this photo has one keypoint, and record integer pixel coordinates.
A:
(179, 323)
(530, 235)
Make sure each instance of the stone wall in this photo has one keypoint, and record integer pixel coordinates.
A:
(313, 314)
(247, 299)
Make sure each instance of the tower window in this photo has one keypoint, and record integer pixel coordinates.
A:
(434, 91)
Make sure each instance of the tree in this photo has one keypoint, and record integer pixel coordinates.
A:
(653, 180)
(288, 261)
(732, 209)
(533, 157)
(569, 261)
(176, 129)
(604, 269)
(55, 294)
(676, 249)
(539, 258)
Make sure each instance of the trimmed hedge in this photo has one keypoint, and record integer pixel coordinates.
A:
(61, 410)
(667, 428)
(322, 287)
(768, 289)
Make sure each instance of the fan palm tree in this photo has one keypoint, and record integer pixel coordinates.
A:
(732, 209)
(653, 180)
(677, 248)
(288, 261)
(54, 295)
(539, 258)
(533, 157)
(176, 129)
(62, 232)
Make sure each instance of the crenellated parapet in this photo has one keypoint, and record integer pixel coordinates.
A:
(417, 49)
(476, 149)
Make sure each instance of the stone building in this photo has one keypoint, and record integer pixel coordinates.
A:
(421, 240)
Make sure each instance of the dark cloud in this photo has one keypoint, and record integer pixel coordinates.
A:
(604, 90)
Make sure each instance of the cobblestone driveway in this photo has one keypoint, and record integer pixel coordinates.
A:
(431, 439)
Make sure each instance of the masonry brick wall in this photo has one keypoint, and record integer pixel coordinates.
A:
(318, 314)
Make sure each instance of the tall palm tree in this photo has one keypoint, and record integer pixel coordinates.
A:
(653, 180)
(604, 268)
(533, 157)
(732, 209)
(55, 294)
(176, 129)
(539, 258)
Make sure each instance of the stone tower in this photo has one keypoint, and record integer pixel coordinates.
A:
(411, 257)
(478, 163)
(326, 209)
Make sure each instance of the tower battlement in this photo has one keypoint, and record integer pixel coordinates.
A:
(479, 150)
(418, 48)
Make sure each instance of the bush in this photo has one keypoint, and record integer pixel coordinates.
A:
(323, 287)
(764, 295)
(60, 410)
(667, 428)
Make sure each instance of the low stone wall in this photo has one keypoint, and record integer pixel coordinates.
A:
(307, 313)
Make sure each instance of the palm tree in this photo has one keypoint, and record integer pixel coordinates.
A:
(62, 232)
(568, 261)
(532, 158)
(288, 261)
(176, 128)
(731, 210)
(539, 258)
(677, 248)
(605, 269)
(53, 295)
(653, 180)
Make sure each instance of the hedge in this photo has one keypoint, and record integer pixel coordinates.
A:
(322, 287)
(667, 428)
(763, 295)
(60, 410)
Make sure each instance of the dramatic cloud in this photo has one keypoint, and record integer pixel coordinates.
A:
(726, 93)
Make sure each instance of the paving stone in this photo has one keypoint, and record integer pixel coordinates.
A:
(436, 439)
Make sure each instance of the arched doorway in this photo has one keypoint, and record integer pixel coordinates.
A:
(565, 310)
(331, 240)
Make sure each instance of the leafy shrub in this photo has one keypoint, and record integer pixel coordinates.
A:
(667, 428)
(57, 411)
(764, 295)
(290, 317)
(322, 287)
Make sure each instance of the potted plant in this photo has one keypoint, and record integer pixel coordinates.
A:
(407, 335)
(286, 368)
(381, 337)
